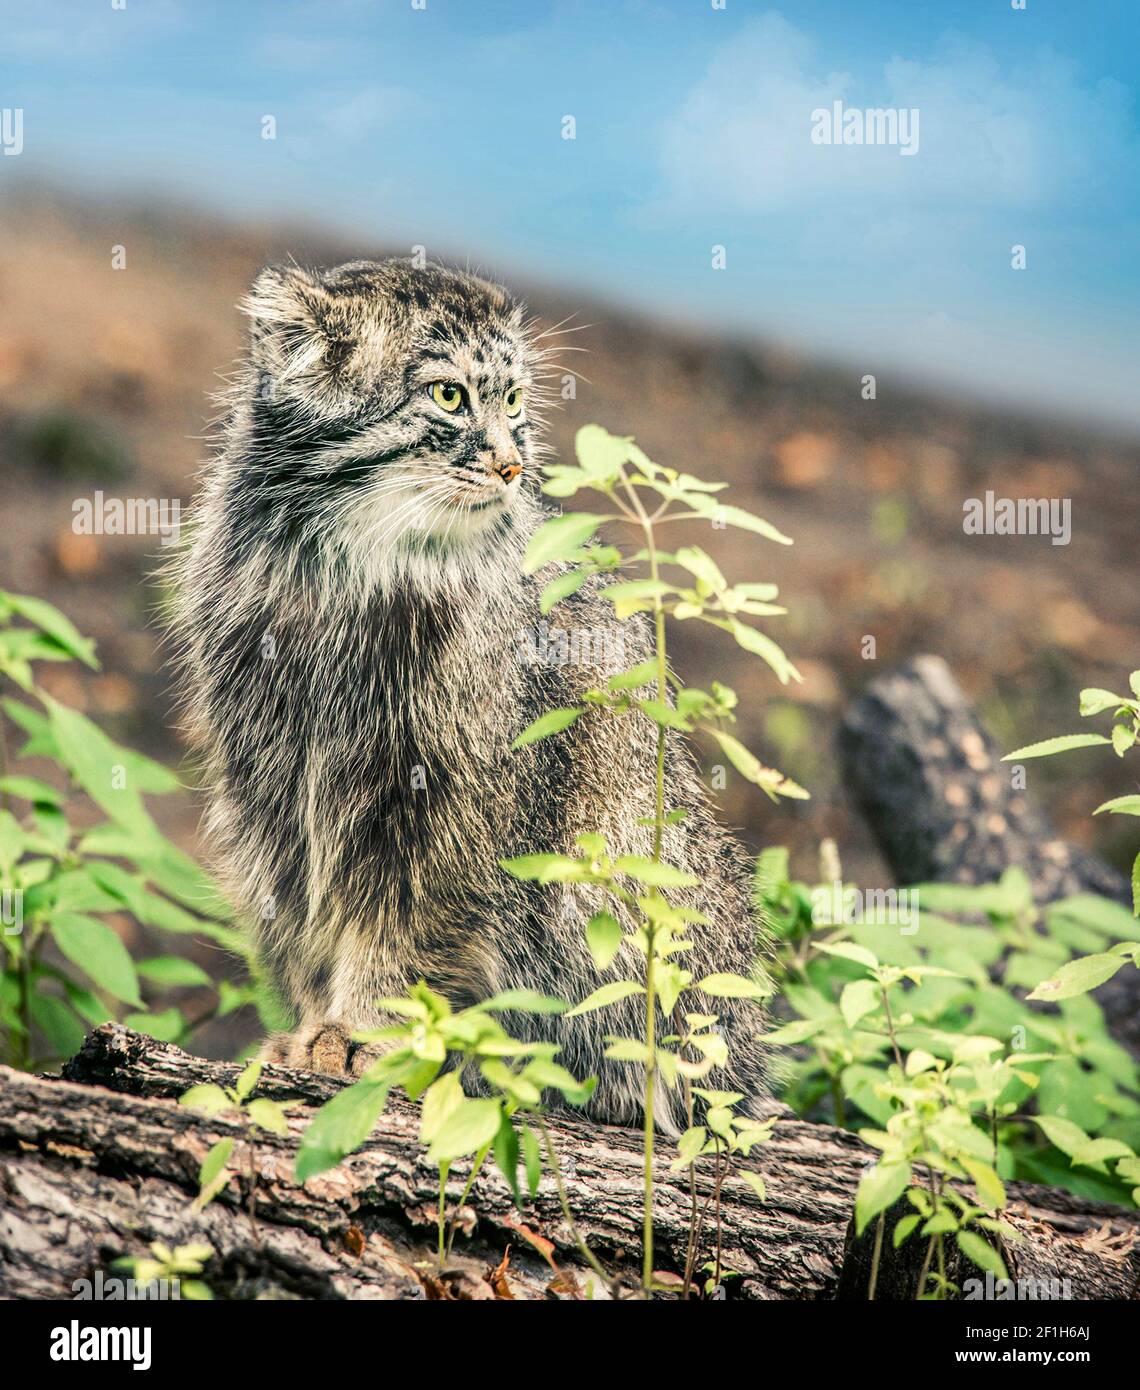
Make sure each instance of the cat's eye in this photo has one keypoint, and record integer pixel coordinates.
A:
(513, 401)
(446, 395)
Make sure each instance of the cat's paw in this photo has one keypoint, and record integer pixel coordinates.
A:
(327, 1048)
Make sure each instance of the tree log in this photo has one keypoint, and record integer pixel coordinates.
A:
(928, 779)
(98, 1164)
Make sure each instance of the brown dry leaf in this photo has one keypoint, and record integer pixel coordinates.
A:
(544, 1247)
(497, 1277)
(435, 1290)
(564, 1285)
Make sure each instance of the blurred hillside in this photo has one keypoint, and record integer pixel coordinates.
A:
(104, 384)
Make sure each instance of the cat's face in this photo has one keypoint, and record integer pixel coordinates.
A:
(393, 408)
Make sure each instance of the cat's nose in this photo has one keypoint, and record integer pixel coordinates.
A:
(507, 469)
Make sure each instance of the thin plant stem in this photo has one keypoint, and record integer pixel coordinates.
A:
(579, 1240)
(875, 1257)
(891, 1026)
(470, 1183)
(925, 1268)
(441, 1218)
(650, 931)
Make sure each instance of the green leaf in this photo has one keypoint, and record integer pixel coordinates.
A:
(859, 998)
(981, 1253)
(1123, 738)
(601, 453)
(1121, 805)
(1098, 1151)
(653, 873)
(774, 783)
(506, 1151)
(664, 714)
(12, 841)
(560, 538)
(532, 1161)
(644, 674)
(725, 985)
(991, 1192)
(603, 937)
(98, 766)
(562, 586)
(51, 621)
(904, 1227)
(172, 972)
(167, 1026)
(213, 1175)
(690, 1145)
(1078, 977)
(470, 1125)
(1100, 914)
(1062, 744)
(439, 1100)
(268, 1115)
(99, 953)
(206, 1099)
(122, 885)
(552, 722)
(849, 951)
(339, 1127)
(1095, 701)
(551, 1076)
(736, 516)
(879, 1188)
(247, 1080)
(545, 868)
(761, 645)
(635, 595)
(755, 1182)
(605, 995)
(1063, 1134)
(1136, 886)
(57, 1022)
(798, 1031)
(31, 789)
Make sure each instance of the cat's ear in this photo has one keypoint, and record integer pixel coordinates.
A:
(288, 311)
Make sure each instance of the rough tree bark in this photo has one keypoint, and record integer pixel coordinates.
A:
(100, 1163)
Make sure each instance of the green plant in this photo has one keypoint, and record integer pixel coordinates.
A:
(684, 585)
(912, 1023)
(63, 967)
(170, 1266)
(427, 1053)
(257, 1112)
(1124, 735)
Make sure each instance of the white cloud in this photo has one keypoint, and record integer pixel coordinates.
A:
(1018, 137)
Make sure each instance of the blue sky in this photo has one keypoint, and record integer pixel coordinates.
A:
(443, 126)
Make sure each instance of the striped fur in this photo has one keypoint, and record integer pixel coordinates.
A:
(352, 623)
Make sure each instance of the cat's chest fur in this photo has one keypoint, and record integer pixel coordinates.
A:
(422, 691)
